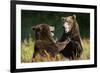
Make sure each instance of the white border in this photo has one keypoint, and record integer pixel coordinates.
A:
(51, 64)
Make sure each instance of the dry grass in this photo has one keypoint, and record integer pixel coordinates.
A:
(86, 49)
(27, 50)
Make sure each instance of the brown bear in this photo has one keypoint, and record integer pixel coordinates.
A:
(44, 40)
(73, 49)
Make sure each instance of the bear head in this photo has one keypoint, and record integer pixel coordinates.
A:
(42, 31)
(69, 23)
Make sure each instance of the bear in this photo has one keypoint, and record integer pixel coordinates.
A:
(73, 48)
(44, 42)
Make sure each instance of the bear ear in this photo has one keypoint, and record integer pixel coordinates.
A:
(33, 27)
(74, 16)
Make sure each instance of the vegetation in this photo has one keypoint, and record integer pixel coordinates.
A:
(86, 49)
(27, 50)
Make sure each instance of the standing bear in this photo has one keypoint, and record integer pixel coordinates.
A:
(44, 42)
(73, 49)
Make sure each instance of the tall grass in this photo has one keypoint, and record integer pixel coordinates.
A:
(27, 50)
(86, 49)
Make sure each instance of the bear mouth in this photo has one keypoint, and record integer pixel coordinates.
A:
(64, 29)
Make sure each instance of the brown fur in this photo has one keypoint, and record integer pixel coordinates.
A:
(44, 40)
(73, 49)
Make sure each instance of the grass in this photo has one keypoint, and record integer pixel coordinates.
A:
(86, 49)
(27, 50)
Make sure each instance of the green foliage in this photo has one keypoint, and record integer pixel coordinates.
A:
(30, 18)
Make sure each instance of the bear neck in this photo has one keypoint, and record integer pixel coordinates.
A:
(74, 33)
